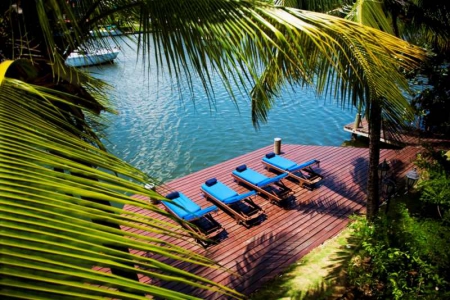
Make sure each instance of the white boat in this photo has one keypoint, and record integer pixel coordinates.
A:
(109, 30)
(82, 58)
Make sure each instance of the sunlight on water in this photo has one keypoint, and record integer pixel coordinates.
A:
(167, 134)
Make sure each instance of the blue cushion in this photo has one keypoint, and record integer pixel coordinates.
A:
(187, 203)
(280, 162)
(270, 155)
(173, 195)
(219, 191)
(182, 206)
(251, 176)
(238, 198)
(241, 168)
(211, 181)
(271, 180)
(200, 213)
(225, 194)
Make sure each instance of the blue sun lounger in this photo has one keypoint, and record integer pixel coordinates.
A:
(240, 207)
(184, 209)
(272, 188)
(303, 172)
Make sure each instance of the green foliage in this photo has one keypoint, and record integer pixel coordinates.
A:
(432, 98)
(56, 220)
(401, 257)
(54, 168)
(436, 188)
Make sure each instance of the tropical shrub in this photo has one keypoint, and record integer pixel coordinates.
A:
(435, 190)
(401, 258)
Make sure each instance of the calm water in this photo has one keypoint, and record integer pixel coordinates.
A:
(167, 133)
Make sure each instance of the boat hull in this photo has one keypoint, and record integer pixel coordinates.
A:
(104, 33)
(92, 58)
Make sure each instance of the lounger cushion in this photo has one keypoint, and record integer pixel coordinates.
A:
(200, 213)
(280, 162)
(184, 207)
(272, 180)
(211, 181)
(219, 191)
(251, 176)
(241, 168)
(224, 193)
(238, 198)
(270, 155)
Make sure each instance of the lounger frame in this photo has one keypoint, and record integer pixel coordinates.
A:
(277, 192)
(309, 181)
(204, 226)
(245, 218)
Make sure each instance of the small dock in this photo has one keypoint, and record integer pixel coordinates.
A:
(412, 138)
(260, 253)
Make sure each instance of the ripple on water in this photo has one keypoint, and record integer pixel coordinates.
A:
(165, 134)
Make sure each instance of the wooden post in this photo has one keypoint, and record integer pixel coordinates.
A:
(151, 187)
(277, 146)
(357, 124)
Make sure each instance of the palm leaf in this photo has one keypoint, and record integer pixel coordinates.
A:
(371, 13)
(340, 56)
(53, 182)
(55, 176)
(204, 37)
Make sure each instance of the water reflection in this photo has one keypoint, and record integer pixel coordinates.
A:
(165, 132)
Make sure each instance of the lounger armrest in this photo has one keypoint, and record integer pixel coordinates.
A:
(303, 165)
(200, 213)
(272, 180)
(238, 197)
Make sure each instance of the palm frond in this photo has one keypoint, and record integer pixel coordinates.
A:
(352, 62)
(55, 234)
(324, 6)
(204, 37)
(372, 14)
(56, 178)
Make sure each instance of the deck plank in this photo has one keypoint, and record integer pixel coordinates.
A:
(412, 137)
(261, 252)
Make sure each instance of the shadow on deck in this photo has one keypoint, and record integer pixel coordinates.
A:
(259, 253)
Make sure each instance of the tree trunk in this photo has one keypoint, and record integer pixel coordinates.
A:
(373, 194)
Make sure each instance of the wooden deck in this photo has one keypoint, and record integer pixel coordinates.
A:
(407, 138)
(258, 254)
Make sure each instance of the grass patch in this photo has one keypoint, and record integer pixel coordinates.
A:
(318, 275)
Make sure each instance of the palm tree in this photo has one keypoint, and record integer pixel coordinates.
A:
(385, 105)
(419, 22)
(57, 177)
